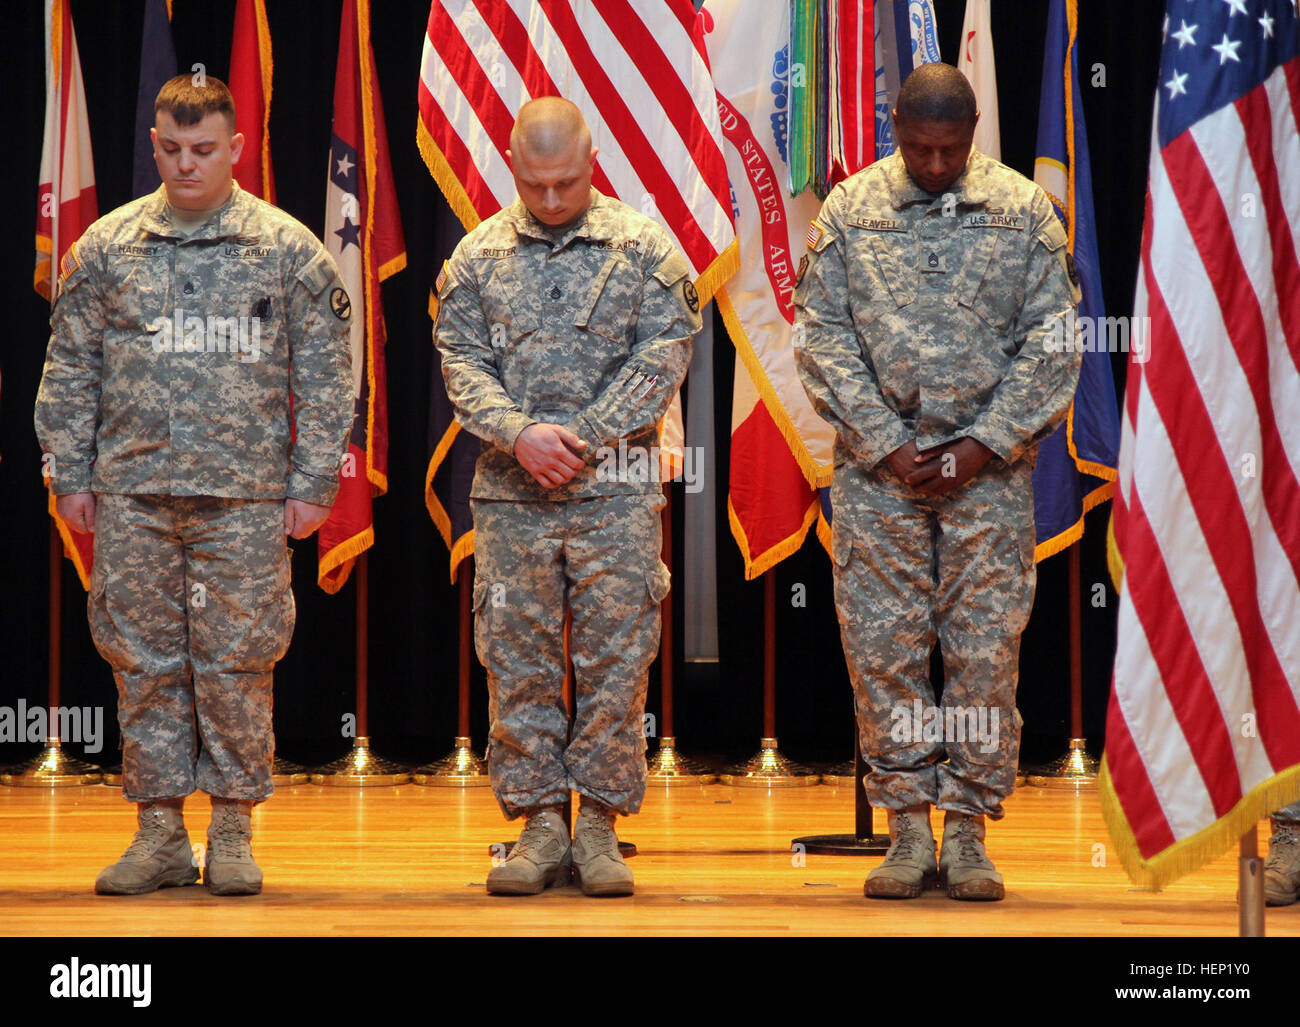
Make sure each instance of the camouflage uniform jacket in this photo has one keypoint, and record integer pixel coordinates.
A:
(172, 358)
(591, 330)
(936, 317)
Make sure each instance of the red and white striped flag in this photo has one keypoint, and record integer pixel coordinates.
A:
(363, 232)
(250, 85)
(65, 201)
(780, 447)
(1203, 733)
(639, 74)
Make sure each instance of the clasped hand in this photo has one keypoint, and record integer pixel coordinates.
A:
(550, 453)
(942, 469)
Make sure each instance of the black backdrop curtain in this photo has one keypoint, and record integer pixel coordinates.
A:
(413, 610)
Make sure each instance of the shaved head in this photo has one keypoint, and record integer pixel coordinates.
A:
(552, 159)
(936, 92)
(550, 127)
(934, 124)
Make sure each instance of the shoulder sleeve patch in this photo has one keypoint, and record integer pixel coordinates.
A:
(817, 238)
(692, 297)
(318, 273)
(70, 270)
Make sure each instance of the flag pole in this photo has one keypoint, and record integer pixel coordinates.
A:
(863, 841)
(51, 767)
(1076, 769)
(460, 768)
(360, 767)
(769, 768)
(1250, 886)
(668, 766)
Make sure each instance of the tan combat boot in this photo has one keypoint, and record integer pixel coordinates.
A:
(909, 866)
(964, 868)
(597, 863)
(229, 868)
(539, 860)
(1282, 868)
(158, 857)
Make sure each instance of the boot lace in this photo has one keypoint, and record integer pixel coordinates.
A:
(969, 848)
(597, 834)
(535, 837)
(153, 833)
(226, 836)
(907, 840)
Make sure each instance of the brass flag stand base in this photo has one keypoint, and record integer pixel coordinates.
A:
(458, 769)
(286, 773)
(769, 769)
(51, 768)
(359, 769)
(112, 775)
(1076, 769)
(840, 776)
(669, 767)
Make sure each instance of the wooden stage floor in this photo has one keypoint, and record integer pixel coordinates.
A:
(713, 861)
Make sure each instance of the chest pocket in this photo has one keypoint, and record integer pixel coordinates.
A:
(878, 273)
(993, 277)
(141, 284)
(608, 306)
(511, 303)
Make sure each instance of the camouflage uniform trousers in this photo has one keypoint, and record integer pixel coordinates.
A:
(597, 558)
(911, 568)
(190, 603)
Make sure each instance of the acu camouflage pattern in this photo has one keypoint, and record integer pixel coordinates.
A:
(190, 603)
(590, 328)
(599, 558)
(943, 328)
(119, 416)
(188, 453)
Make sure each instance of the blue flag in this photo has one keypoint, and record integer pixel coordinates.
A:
(157, 65)
(1076, 464)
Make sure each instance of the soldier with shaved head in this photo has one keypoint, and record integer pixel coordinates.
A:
(934, 287)
(564, 326)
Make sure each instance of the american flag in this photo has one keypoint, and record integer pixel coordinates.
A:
(639, 73)
(1203, 734)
